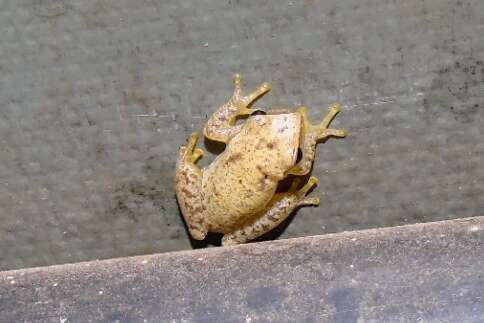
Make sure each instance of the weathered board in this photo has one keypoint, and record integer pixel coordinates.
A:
(97, 95)
(417, 273)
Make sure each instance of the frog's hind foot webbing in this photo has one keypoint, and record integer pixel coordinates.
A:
(278, 210)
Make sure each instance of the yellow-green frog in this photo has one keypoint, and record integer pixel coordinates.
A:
(236, 194)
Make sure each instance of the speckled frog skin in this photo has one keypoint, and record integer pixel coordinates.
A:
(236, 194)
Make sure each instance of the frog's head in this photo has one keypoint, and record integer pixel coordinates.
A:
(275, 141)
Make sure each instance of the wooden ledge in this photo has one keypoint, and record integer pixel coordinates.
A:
(427, 272)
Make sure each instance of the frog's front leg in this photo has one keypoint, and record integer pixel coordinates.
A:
(188, 188)
(277, 211)
(221, 125)
(310, 135)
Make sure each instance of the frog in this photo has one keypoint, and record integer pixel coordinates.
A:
(237, 194)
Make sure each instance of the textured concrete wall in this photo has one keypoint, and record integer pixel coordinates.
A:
(97, 95)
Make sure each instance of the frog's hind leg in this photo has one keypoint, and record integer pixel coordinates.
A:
(188, 188)
(310, 136)
(221, 125)
(277, 211)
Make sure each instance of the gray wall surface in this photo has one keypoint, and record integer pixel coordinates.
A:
(96, 96)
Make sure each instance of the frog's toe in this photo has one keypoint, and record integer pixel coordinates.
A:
(260, 91)
(198, 233)
(196, 155)
(229, 240)
(194, 137)
(332, 132)
(264, 87)
(335, 108)
(339, 133)
(192, 142)
(333, 111)
(310, 201)
(307, 187)
(190, 152)
(313, 181)
(237, 80)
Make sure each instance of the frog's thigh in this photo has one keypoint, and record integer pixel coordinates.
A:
(278, 210)
(188, 188)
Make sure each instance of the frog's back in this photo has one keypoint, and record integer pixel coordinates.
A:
(243, 179)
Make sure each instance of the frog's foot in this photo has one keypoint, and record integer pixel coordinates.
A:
(188, 188)
(190, 153)
(221, 125)
(279, 209)
(324, 132)
(300, 194)
(311, 135)
(243, 102)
